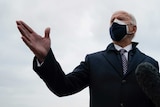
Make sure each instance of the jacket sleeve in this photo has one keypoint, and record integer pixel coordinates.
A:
(57, 81)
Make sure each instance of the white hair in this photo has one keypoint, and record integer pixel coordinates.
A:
(133, 19)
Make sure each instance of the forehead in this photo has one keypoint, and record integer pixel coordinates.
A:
(121, 15)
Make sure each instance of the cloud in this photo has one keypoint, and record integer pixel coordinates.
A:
(78, 27)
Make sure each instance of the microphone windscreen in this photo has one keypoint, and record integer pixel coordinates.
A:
(148, 78)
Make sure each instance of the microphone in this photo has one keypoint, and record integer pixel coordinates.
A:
(148, 78)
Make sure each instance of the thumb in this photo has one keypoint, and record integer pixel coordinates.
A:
(47, 32)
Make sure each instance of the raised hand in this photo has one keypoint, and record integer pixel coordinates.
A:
(39, 45)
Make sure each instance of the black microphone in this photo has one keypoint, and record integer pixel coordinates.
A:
(148, 78)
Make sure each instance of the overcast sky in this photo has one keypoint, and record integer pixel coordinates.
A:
(78, 27)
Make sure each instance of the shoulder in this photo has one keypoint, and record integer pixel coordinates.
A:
(148, 58)
(110, 47)
(96, 54)
(145, 55)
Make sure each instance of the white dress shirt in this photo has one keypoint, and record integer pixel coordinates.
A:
(127, 48)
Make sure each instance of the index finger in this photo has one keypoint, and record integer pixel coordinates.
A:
(26, 26)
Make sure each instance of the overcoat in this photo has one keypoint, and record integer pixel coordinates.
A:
(102, 72)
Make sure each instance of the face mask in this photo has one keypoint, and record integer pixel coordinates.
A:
(118, 30)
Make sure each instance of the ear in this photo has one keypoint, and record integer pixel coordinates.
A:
(134, 29)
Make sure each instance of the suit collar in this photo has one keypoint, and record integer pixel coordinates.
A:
(127, 48)
(111, 46)
(113, 57)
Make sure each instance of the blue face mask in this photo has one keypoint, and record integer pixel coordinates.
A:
(118, 30)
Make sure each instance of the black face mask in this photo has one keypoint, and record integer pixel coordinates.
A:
(118, 31)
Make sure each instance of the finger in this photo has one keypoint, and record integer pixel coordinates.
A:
(23, 32)
(26, 41)
(20, 29)
(47, 32)
(18, 22)
(29, 29)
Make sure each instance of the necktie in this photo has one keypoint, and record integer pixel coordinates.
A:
(124, 60)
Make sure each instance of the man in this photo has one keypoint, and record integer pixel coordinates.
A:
(110, 74)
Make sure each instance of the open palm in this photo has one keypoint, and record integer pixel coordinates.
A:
(39, 45)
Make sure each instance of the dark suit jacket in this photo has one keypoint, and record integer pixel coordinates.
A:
(102, 72)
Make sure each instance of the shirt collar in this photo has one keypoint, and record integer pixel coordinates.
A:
(127, 48)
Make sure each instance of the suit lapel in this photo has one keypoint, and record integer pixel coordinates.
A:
(113, 58)
(134, 59)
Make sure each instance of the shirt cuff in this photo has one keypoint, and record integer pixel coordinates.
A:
(38, 63)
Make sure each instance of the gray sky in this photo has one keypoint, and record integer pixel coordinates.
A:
(78, 27)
